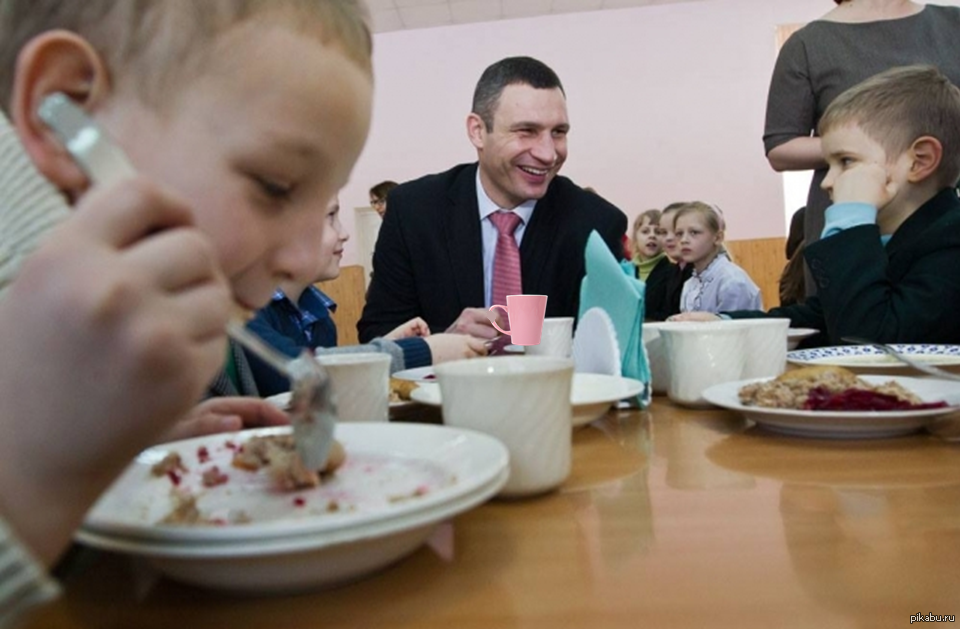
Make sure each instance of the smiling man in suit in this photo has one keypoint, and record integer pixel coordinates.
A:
(455, 243)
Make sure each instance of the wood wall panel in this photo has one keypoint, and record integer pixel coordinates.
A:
(349, 292)
(763, 259)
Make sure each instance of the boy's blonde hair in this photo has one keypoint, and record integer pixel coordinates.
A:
(900, 105)
(155, 43)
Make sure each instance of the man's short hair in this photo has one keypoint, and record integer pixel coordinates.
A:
(157, 42)
(510, 71)
(383, 188)
(900, 105)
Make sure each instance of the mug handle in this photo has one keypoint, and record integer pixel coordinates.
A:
(494, 323)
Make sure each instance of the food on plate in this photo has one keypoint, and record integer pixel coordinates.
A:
(400, 390)
(829, 388)
(170, 466)
(278, 454)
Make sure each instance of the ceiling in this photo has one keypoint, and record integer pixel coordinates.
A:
(397, 15)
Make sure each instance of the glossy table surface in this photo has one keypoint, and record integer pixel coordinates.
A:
(670, 518)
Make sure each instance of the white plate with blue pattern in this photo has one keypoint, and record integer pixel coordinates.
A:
(863, 358)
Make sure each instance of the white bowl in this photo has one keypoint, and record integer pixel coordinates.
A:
(592, 395)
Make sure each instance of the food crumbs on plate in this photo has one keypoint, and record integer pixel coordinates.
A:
(229, 445)
(422, 490)
(333, 506)
(203, 455)
(213, 477)
(170, 463)
(299, 502)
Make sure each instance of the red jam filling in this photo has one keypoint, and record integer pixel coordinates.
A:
(820, 399)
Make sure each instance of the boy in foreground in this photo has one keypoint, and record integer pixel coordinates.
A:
(886, 267)
(242, 117)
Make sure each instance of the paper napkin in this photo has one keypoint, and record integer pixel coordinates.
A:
(612, 287)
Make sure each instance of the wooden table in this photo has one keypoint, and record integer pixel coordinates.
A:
(671, 518)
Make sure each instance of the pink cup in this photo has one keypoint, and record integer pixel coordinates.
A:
(525, 313)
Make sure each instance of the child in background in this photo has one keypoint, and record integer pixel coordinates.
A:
(716, 283)
(298, 317)
(665, 283)
(253, 111)
(885, 265)
(646, 251)
(378, 196)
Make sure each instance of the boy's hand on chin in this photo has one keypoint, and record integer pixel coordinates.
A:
(864, 183)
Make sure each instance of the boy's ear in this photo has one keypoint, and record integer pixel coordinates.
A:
(55, 61)
(926, 151)
(476, 130)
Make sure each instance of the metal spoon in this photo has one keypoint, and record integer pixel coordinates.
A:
(312, 411)
(886, 349)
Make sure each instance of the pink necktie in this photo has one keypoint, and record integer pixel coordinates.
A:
(506, 259)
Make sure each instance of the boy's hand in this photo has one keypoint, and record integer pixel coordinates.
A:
(864, 183)
(226, 414)
(447, 347)
(111, 332)
(413, 327)
(694, 316)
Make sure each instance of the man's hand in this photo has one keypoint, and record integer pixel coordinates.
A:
(227, 414)
(447, 347)
(864, 183)
(475, 322)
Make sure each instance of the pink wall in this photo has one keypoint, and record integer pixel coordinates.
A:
(666, 102)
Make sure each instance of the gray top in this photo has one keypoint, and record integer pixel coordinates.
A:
(823, 59)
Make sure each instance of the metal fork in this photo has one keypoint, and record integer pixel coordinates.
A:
(886, 349)
(312, 411)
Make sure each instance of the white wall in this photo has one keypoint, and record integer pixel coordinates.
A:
(666, 103)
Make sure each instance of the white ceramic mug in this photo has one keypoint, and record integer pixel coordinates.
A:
(524, 401)
(656, 357)
(556, 339)
(702, 355)
(360, 384)
(766, 350)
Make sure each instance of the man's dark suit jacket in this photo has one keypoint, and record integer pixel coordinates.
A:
(428, 260)
(906, 292)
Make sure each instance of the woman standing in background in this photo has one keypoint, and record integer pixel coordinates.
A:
(854, 41)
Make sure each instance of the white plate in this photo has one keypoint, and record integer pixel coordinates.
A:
(852, 356)
(387, 464)
(591, 395)
(843, 424)
(515, 349)
(290, 564)
(795, 335)
(420, 374)
(289, 547)
(282, 401)
(595, 347)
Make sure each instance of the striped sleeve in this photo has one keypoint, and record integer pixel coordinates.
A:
(23, 581)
